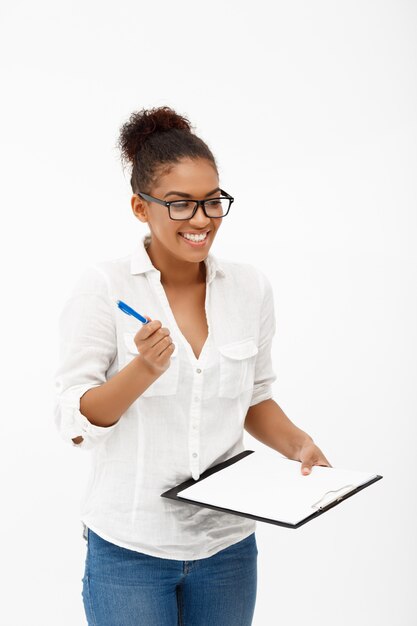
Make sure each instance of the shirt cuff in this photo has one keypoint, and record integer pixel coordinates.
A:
(261, 393)
(72, 423)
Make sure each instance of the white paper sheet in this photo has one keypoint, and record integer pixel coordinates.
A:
(266, 484)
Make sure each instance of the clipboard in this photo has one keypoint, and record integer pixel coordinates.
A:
(245, 485)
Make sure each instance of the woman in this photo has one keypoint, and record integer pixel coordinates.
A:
(163, 403)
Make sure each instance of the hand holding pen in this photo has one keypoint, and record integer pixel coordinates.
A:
(152, 340)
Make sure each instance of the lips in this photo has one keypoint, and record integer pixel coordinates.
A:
(201, 232)
(195, 244)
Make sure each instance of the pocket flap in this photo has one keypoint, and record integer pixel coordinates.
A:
(242, 349)
(131, 346)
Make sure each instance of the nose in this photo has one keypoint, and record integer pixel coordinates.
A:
(199, 218)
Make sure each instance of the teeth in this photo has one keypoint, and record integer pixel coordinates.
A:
(194, 237)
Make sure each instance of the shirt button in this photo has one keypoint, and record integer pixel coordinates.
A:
(196, 398)
(195, 454)
(194, 426)
(198, 370)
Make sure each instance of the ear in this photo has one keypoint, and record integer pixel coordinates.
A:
(139, 208)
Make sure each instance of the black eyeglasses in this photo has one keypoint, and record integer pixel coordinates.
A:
(185, 209)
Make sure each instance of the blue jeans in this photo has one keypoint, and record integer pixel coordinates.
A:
(123, 587)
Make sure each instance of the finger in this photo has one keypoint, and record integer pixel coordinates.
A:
(324, 461)
(306, 468)
(149, 329)
(161, 345)
(167, 350)
(160, 335)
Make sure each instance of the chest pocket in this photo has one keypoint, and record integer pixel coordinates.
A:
(167, 383)
(237, 367)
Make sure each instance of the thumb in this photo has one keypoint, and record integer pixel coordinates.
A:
(306, 469)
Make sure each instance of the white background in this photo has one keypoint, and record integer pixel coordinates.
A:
(311, 111)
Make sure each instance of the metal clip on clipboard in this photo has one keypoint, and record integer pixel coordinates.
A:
(346, 489)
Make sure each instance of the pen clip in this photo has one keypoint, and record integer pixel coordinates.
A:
(345, 490)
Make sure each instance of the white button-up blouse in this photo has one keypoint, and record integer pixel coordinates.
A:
(191, 418)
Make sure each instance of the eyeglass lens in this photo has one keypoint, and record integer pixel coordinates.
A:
(183, 209)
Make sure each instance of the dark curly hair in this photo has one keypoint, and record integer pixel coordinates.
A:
(152, 140)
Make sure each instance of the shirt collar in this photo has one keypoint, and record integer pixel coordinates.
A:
(140, 261)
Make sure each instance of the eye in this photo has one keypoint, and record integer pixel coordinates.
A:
(214, 202)
(182, 204)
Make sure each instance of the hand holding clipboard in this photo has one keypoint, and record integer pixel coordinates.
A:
(268, 487)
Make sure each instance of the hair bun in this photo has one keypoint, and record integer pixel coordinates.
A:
(141, 124)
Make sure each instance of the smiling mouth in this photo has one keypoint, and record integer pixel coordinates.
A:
(195, 236)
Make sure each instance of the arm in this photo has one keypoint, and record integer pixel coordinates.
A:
(104, 405)
(88, 404)
(267, 422)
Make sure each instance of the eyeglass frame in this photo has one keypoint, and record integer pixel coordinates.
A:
(167, 203)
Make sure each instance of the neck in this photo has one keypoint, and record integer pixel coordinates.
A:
(175, 272)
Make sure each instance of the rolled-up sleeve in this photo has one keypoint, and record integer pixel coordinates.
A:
(264, 372)
(87, 347)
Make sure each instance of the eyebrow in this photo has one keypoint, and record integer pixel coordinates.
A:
(187, 195)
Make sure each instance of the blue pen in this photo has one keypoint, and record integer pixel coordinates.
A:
(129, 311)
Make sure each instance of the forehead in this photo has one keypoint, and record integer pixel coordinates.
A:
(190, 176)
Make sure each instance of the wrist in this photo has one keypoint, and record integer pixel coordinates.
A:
(305, 440)
(147, 367)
